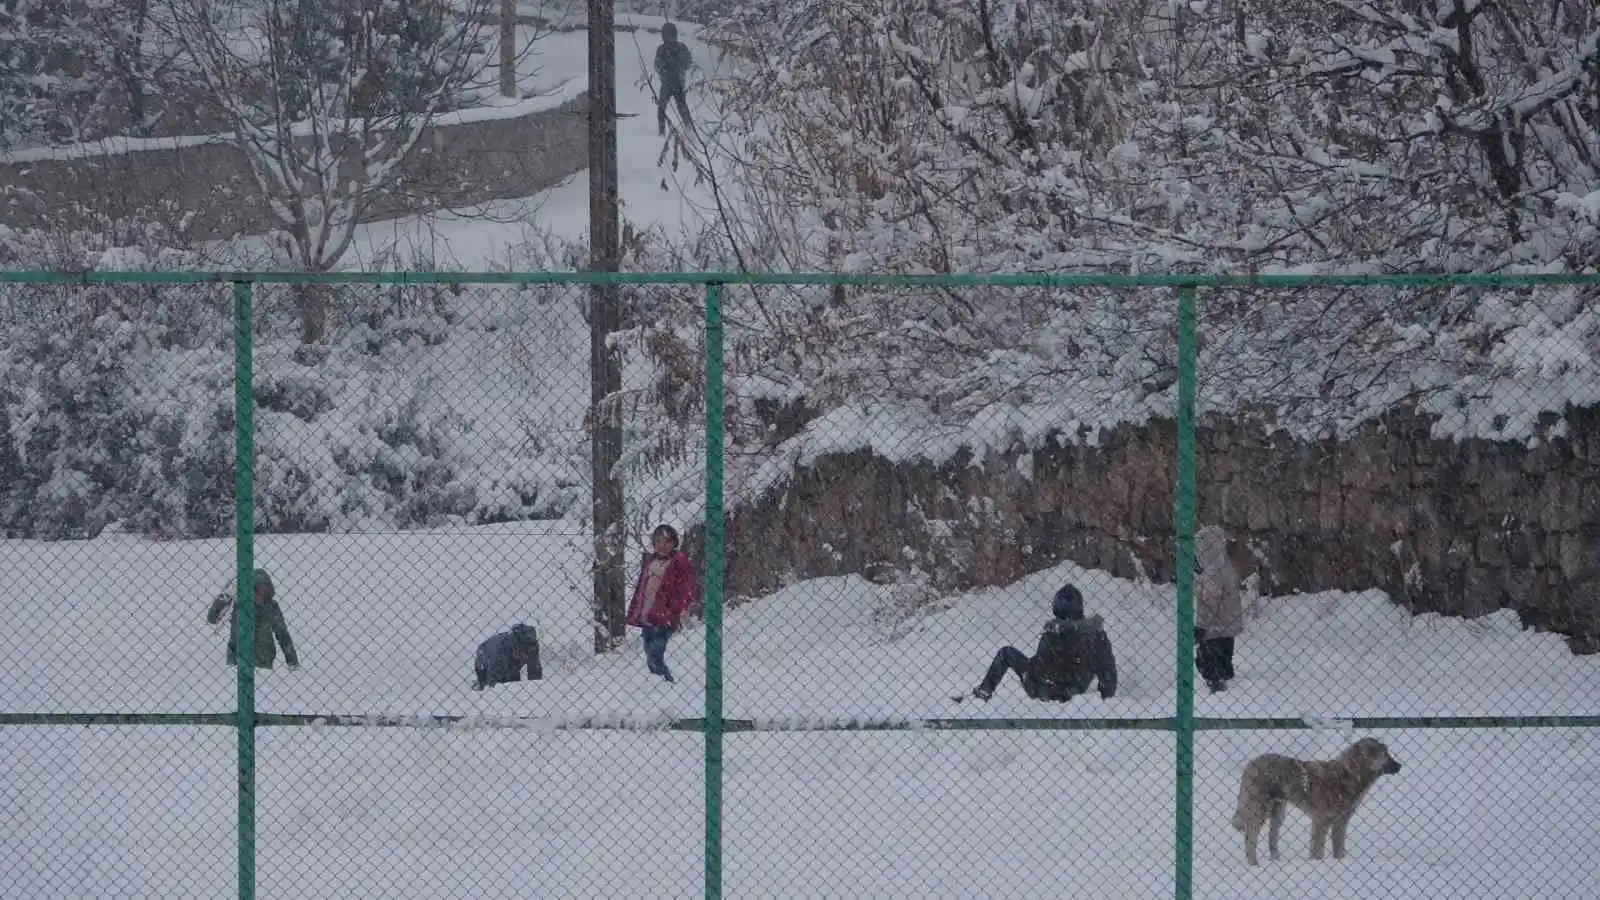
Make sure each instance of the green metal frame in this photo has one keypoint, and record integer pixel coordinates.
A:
(1183, 723)
(712, 566)
(244, 601)
(1183, 574)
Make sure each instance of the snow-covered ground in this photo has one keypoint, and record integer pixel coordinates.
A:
(386, 623)
(652, 193)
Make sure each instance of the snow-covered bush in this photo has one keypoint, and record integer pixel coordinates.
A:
(661, 343)
(1092, 136)
(80, 70)
(119, 407)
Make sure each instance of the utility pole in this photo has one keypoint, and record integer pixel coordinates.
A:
(508, 48)
(605, 364)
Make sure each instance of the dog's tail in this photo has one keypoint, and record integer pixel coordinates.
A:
(1242, 803)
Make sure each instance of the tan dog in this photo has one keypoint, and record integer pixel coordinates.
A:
(1326, 790)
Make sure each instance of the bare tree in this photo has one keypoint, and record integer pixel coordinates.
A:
(328, 100)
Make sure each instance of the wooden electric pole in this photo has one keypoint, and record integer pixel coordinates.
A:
(508, 48)
(605, 364)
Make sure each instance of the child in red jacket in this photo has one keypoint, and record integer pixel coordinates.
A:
(660, 596)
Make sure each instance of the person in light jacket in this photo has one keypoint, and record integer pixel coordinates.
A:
(1218, 608)
(271, 629)
(661, 594)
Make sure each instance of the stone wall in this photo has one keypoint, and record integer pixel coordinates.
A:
(1460, 528)
(206, 192)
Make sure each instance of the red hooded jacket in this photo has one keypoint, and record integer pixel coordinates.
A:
(672, 598)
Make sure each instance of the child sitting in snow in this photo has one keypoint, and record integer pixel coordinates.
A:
(1073, 653)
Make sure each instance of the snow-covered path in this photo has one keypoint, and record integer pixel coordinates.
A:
(651, 195)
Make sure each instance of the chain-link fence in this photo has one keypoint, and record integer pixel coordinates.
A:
(990, 586)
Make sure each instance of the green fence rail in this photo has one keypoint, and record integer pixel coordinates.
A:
(715, 724)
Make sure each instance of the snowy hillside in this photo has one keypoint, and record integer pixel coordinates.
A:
(654, 192)
(386, 624)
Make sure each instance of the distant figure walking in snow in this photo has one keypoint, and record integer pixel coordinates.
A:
(1073, 653)
(501, 658)
(271, 629)
(1218, 609)
(660, 596)
(673, 60)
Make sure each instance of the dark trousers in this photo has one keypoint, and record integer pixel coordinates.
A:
(668, 94)
(487, 678)
(655, 650)
(1008, 659)
(1213, 657)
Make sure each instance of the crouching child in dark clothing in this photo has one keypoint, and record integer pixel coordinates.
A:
(501, 658)
(1073, 653)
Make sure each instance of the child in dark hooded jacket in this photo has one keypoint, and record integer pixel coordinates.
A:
(270, 628)
(1073, 653)
(501, 658)
(672, 63)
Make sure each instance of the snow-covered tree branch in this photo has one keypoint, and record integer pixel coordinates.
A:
(1100, 136)
(328, 100)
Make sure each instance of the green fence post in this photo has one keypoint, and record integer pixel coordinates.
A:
(713, 590)
(1183, 528)
(244, 600)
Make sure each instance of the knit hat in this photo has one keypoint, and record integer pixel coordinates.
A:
(1068, 603)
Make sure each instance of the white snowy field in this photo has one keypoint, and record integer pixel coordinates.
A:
(386, 624)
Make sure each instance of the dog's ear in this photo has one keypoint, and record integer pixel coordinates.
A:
(1374, 752)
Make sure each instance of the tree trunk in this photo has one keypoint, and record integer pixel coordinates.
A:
(610, 595)
(311, 301)
(10, 472)
(134, 72)
(605, 365)
(508, 48)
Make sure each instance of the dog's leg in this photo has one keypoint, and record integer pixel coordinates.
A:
(1278, 809)
(1339, 827)
(1252, 837)
(1319, 837)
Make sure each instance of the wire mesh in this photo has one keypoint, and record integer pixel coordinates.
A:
(437, 446)
(118, 811)
(116, 505)
(930, 813)
(1471, 812)
(1375, 467)
(1396, 481)
(930, 520)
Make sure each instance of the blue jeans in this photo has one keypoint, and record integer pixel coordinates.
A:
(655, 650)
